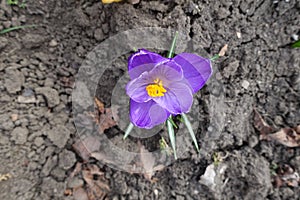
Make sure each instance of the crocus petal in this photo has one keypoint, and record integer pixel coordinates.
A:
(142, 61)
(168, 71)
(196, 69)
(178, 98)
(136, 89)
(147, 115)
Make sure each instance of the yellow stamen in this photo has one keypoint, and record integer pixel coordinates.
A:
(156, 89)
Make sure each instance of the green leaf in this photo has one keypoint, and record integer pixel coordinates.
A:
(190, 129)
(171, 52)
(179, 117)
(128, 130)
(12, 2)
(172, 137)
(172, 122)
(164, 146)
(15, 28)
(296, 44)
(215, 57)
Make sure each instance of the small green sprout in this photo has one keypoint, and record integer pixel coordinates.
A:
(23, 4)
(273, 168)
(164, 146)
(16, 3)
(296, 44)
(216, 158)
(12, 2)
(15, 28)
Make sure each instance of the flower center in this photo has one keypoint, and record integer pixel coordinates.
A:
(156, 89)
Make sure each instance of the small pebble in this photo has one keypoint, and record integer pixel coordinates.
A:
(24, 99)
(278, 120)
(14, 117)
(245, 84)
(22, 18)
(98, 34)
(295, 37)
(53, 43)
(38, 141)
(28, 92)
(19, 135)
(239, 34)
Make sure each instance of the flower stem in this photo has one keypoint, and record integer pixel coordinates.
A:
(171, 52)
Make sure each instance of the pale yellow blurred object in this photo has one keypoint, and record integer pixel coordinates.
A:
(110, 1)
(4, 177)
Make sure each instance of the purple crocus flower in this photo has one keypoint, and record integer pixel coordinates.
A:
(161, 87)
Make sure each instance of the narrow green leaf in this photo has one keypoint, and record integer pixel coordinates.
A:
(296, 44)
(164, 146)
(172, 49)
(179, 117)
(172, 122)
(172, 137)
(15, 28)
(128, 130)
(189, 127)
(215, 57)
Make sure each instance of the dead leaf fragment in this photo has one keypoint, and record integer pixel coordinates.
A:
(259, 123)
(286, 136)
(286, 176)
(289, 137)
(100, 105)
(97, 186)
(76, 170)
(80, 194)
(223, 50)
(106, 120)
(68, 192)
